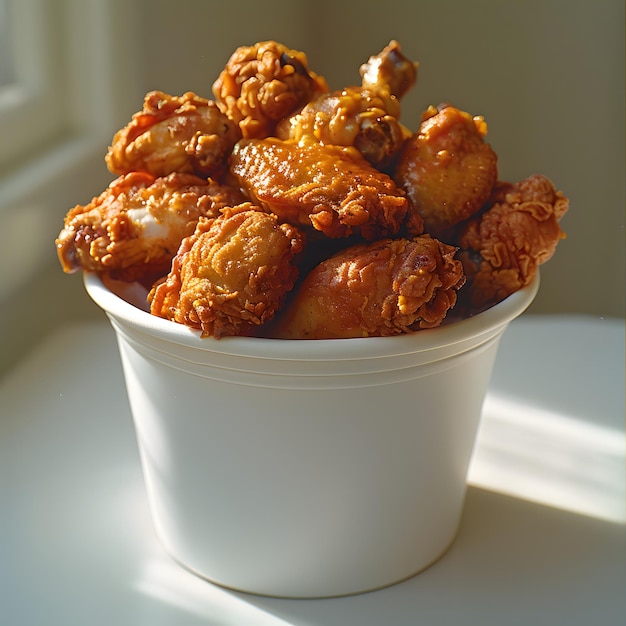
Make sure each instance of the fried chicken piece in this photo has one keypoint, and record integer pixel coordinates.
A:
(503, 247)
(264, 83)
(135, 226)
(366, 117)
(332, 188)
(390, 71)
(350, 117)
(232, 274)
(447, 168)
(386, 287)
(187, 134)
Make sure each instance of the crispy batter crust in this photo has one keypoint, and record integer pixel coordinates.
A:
(135, 226)
(232, 274)
(264, 83)
(386, 287)
(503, 247)
(186, 134)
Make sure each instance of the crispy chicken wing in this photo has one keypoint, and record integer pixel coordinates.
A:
(186, 134)
(386, 287)
(232, 274)
(447, 168)
(366, 117)
(502, 247)
(332, 188)
(135, 226)
(263, 83)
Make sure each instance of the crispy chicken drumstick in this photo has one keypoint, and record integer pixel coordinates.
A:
(365, 116)
(386, 287)
(232, 274)
(502, 248)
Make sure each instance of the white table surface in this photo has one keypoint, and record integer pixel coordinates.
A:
(542, 539)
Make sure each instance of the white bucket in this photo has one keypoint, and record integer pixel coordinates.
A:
(308, 468)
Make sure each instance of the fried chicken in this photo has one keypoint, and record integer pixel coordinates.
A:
(264, 83)
(187, 134)
(366, 116)
(135, 226)
(216, 199)
(232, 274)
(446, 168)
(386, 287)
(502, 248)
(332, 188)
(352, 116)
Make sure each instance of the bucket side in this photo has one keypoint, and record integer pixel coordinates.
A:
(306, 492)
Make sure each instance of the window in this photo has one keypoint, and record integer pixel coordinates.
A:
(6, 53)
(66, 70)
(32, 72)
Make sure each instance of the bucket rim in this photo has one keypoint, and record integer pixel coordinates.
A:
(134, 319)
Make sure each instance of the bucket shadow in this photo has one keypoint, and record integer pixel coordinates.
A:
(511, 557)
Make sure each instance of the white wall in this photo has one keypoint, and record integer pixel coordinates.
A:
(90, 45)
(548, 75)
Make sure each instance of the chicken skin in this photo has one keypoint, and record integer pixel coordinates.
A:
(382, 288)
(446, 168)
(264, 83)
(331, 188)
(502, 248)
(366, 117)
(186, 134)
(232, 274)
(135, 226)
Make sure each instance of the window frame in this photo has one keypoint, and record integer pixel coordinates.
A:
(71, 86)
(96, 54)
(31, 113)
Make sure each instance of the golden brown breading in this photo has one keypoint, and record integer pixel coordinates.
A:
(263, 83)
(332, 188)
(447, 168)
(503, 247)
(186, 134)
(135, 226)
(232, 274)
(382, 288)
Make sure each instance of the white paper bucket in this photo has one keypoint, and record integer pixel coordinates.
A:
(308, 468)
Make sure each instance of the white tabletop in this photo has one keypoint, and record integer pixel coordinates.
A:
(542, 539)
